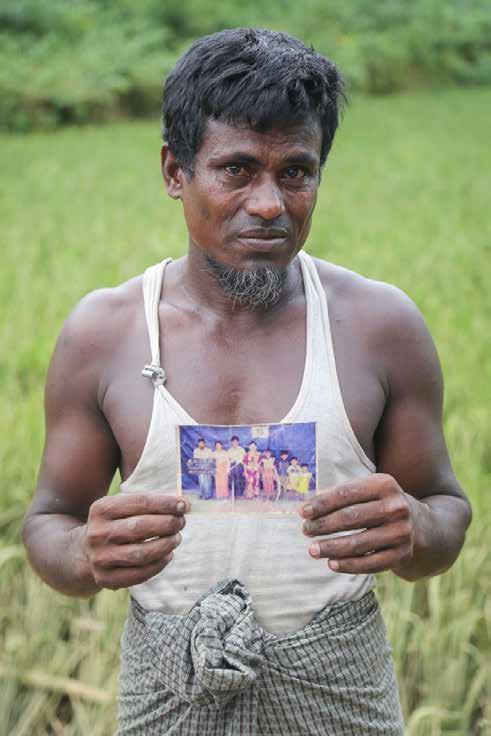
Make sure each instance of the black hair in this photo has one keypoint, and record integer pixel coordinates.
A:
(253, 76)
(284, 452)
(294, 458)
(200, 439)
(305, 465)
(234, 438)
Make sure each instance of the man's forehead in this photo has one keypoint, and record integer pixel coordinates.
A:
(221, 138)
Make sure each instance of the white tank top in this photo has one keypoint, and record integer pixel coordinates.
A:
(267, 552)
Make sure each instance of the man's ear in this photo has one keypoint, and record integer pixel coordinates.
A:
(172, 173)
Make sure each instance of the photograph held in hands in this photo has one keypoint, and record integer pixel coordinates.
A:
(265, 468)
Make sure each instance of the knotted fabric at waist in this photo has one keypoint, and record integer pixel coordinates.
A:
(216, 672)
(218, 649)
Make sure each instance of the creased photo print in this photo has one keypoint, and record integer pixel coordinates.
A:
(247, 468)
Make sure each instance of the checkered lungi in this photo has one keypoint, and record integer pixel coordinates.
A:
(216, 671)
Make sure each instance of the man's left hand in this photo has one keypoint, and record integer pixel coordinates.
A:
(376, 504)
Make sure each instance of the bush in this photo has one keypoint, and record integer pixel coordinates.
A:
(96, 59)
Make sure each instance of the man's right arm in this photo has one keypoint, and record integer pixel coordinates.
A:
(78, 539)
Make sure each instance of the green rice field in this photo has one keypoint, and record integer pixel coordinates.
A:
(405, 198)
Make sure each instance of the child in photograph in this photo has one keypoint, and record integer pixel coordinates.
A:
(251, 471)
(268, 473)
(222, 468)
(282, 470)
(202, 452)
(293, 471)
(303, 480)
(236, 476)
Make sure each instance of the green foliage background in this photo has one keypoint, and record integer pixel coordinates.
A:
(404, 199)
(63, 62)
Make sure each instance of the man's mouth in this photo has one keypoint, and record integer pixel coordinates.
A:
(264, 239)
(264, 233)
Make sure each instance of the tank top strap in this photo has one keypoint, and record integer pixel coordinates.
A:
(314, 294)
(152, 288)
(325, 362)
(315, 291)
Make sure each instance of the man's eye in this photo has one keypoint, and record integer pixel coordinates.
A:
(294, 172)
(235, 170)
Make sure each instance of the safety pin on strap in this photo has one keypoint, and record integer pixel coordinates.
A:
(156, 373)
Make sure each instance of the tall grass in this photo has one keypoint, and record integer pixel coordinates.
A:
(405, 199)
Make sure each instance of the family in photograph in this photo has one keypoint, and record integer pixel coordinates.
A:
(247, 472)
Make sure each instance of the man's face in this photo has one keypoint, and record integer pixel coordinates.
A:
(250, 200)
(235, 443)
(201, 444)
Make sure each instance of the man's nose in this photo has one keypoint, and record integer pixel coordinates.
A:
(265, 200)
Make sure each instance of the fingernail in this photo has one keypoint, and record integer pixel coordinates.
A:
(315, 550)
(181, 507)
(308, 511)
(308, 526)
(333, 564)
(177, 540)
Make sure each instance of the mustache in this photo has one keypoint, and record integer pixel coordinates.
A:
(264, 233)
(254, 229)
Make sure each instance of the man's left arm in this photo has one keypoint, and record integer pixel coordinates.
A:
(413, 510)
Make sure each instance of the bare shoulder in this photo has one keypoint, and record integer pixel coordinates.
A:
(383, 306)
(387, 321)
(91, 335)
(97, 316)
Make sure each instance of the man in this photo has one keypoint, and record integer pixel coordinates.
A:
(244, 628)
(236, 478)
(202, 452)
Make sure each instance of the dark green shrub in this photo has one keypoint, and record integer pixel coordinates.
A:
(63, 62)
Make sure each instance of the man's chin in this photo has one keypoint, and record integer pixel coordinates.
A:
(259, 283)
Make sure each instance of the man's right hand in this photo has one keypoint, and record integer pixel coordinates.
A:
(131, 537)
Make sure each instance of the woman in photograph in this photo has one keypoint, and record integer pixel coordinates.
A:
(268, 473)
(222, 470)
(252, 471)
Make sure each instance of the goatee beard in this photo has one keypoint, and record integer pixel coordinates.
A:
(250, 288)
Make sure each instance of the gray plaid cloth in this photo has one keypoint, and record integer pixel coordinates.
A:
(216, 671)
